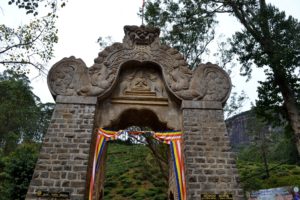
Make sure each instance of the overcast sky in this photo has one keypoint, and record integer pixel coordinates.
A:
(80, 24)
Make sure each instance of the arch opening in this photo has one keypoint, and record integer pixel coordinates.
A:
(139, 100)
(142, 118)
(136, 166)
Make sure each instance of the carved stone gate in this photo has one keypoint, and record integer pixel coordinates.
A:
(137, 82)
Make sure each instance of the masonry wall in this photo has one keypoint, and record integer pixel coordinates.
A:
(209, 163)
(62, 164)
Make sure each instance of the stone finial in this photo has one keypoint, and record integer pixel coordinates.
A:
(143, 35)
(66, 76)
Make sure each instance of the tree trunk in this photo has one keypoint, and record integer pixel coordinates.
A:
(290, 105)
(266, 41)
(264, 154)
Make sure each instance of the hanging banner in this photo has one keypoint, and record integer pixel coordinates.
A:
(99, 138)
(166, 137)
(175, 147)
(173, 138)
(102, 137)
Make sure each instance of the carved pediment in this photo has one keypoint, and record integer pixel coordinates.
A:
(71, 76)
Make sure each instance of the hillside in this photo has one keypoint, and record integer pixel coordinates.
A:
(253, 177)
(132, 173)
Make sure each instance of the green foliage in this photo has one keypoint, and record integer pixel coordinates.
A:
(268, 40)
(131, 174)
(18, 110)
(284, 35)
(253, 177)
(269, 141)
(31, 6)
(189, 27)
(23, 117)
(16, 170)
(281, 149)
(30, 44)
(23, 122)
(184, 26)
(274, 46)
(269, 146)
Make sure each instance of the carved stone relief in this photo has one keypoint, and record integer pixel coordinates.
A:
(140, 82)
(72, 77)
(135, 35)
(66, 77)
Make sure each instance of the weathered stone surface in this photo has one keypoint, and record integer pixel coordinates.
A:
(71, 77)
(138, 82)
(64, 168)
(205, 127)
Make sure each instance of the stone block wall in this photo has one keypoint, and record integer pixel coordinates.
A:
(209, 163)
(63, 160)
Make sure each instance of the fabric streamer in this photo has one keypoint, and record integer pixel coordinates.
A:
(175, 147)
(167, 137)
(96, 154)
(102, 137)
(173, 138)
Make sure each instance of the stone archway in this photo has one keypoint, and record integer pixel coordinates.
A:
(142, 118)
(139, 73)
(139, 98)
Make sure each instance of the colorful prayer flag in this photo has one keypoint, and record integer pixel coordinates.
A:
(172, 138)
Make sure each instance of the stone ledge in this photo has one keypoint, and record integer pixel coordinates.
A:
(206, 105)
(76, 100)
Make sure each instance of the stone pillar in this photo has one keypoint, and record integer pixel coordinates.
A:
(209, 163)
(62, 165)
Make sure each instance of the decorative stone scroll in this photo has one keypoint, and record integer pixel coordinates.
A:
(66, 77)
(71, 77)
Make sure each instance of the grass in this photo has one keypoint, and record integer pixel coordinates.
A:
(253, 176)
(130, 176)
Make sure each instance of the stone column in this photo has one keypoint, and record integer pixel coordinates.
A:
(209, 163)
(62, 165)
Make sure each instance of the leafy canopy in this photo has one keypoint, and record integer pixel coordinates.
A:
(23, 117)
(185, 25)
(23, 122)
(30, 44)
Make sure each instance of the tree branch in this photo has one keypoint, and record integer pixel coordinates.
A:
(39, 67)
(240, 14)
(23, 44)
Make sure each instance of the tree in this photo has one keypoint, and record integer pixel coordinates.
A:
(23, 118)
(190, 35)
(157, 149)
(267, 40)
(17, 171)
(23, 122)
(30, 44)
(188, 27)
(271, 40)
(261, 135)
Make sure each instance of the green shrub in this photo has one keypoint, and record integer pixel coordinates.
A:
(128, 192)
